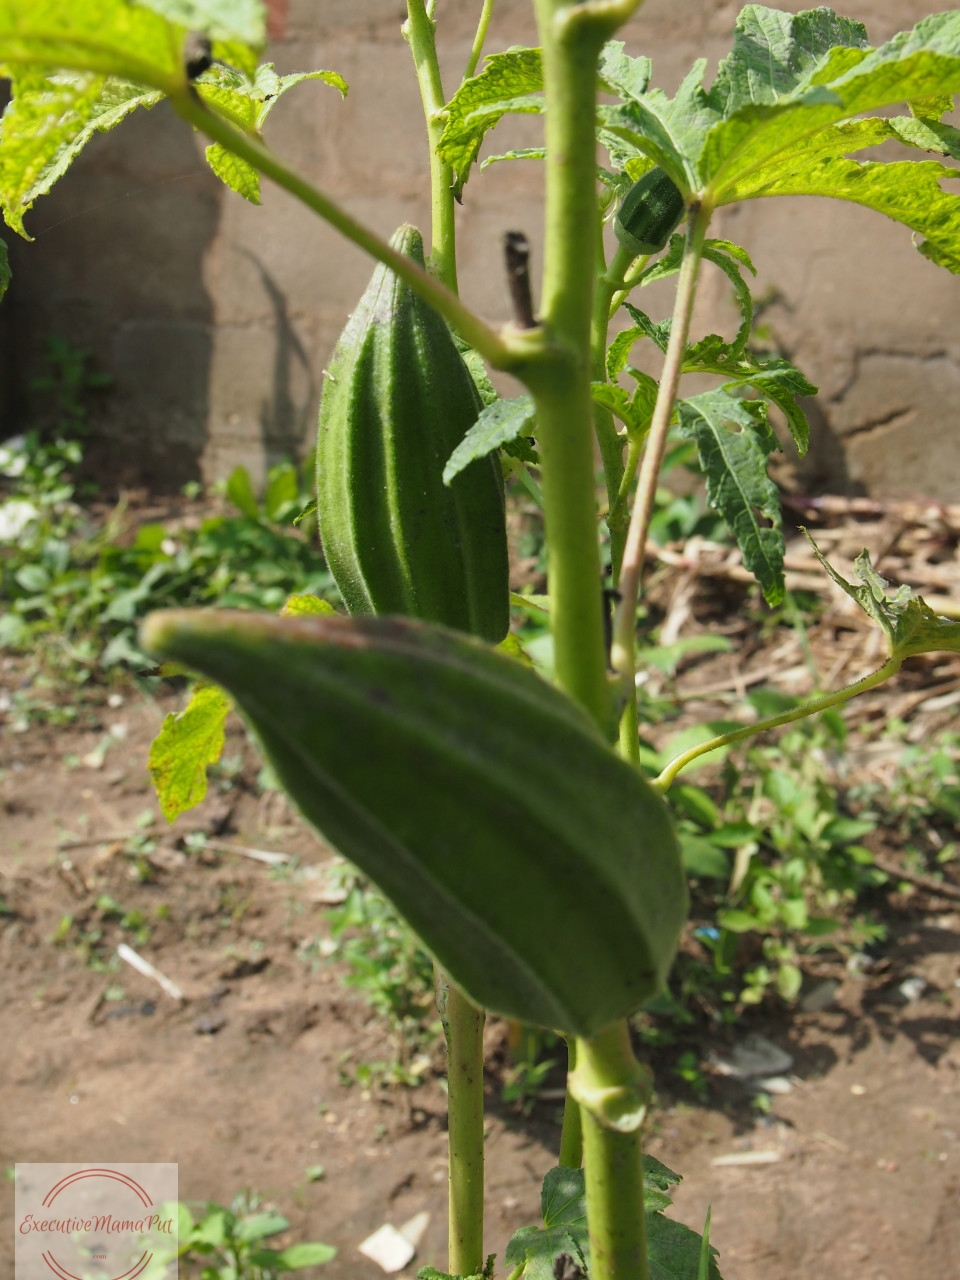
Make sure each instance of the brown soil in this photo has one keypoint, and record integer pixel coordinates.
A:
(241, 1082)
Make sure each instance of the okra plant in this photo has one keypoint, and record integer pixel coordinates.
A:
(508, 818)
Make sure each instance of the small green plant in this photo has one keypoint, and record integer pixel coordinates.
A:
(229, 1244)
(508, 817)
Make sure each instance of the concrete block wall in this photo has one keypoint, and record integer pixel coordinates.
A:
(215, 318)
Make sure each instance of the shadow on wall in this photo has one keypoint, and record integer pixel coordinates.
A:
(117, 269)
(284, 424)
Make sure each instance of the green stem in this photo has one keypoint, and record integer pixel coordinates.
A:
(420, 32)
(474, 330)
(889, 668)
(479, 39)
(463, 1027)
(608, 438)
(560, 379)
(571, 1134)
(613, 1090)
(624, 635)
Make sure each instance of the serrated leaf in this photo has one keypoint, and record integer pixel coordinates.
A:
(498, 424)
(908, 622)
(237, 174)
(499, 855)
(633, 411)
(5, 274)
(773, 51)
(111, 38)
(658, 332)
(673, 1250)
(563, 1202)
(927, 134)
(478, 371)
(718, 252)
(189, 741)
(48, 122)
(243, 20)
(796, 145)
(510, 82)
(619, 73)
(671, 131)
(733, 445)
(248, 102)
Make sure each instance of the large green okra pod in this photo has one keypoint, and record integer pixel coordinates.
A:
(398, 399)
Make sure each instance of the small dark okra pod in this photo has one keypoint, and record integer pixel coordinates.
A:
(397, 400)
(650, 211)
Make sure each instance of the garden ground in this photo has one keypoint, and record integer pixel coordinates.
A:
(853, 1175)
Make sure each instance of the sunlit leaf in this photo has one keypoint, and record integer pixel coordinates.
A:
(243, 20)
(248, 102)
(188, 743)
(300, 606)
(510, 82)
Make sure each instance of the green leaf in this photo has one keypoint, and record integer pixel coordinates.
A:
(701, 858)
(478, 371)
(300, 606)
(659, 333)
(908, 622)
(509, 82)
(773, 51)
(188, 742)
(4, 268)
(239, 175)
(498, 424)
(312, 1254)
(796, 144)
(498, 856)
(110, 38)
(634, 411)
(623, 75)
(249, 102)
(671, 131)
(734, 444)
(521, 153)
(239, 490)
(260, 1226)
(48, 122)
(563, 1207)
(243, 20)
(738, 922)
(673, 1250)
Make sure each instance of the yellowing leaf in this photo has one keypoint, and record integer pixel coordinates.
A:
(188, 742)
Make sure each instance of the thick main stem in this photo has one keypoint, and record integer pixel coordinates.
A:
(612, 1089)
(561, 385)
(463, 1028)
(420, 32)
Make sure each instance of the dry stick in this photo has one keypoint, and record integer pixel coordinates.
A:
(623, 655)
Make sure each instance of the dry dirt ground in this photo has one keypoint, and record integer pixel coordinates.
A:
(854, 1176)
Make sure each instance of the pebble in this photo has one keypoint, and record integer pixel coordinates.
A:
(388, 1248)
